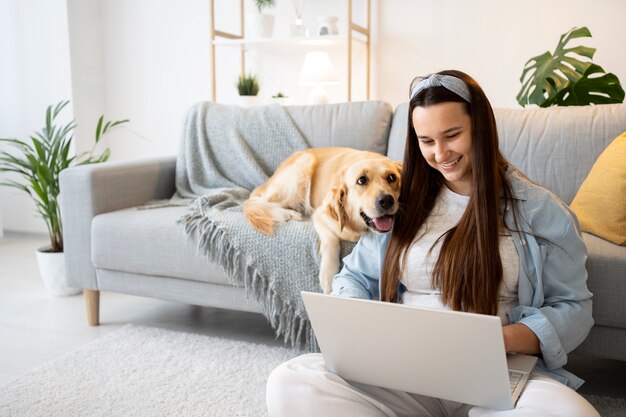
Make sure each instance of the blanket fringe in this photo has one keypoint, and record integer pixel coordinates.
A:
(214, 244)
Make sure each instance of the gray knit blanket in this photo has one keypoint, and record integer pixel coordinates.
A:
(226, 151)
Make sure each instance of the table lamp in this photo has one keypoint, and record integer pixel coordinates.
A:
(318, 71)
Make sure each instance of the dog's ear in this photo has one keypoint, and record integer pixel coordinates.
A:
(336, 206)
(398, 165)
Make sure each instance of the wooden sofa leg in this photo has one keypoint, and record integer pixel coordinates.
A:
(92, 302)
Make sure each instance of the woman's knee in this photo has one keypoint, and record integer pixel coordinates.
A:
(544, 396)
(288, 381)
(546, 393)
(278, 379)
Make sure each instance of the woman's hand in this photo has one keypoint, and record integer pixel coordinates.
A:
(519, 338)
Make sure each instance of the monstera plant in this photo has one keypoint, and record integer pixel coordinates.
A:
(564, 79)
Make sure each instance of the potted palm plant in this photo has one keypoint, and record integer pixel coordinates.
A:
(39, 161)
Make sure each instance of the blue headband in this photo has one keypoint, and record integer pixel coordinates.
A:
(449, 82)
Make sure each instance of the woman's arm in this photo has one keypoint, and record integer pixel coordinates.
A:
(519, 338)
(360, 275)
(559, 313)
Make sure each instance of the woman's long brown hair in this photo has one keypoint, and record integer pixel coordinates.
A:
(468, 270)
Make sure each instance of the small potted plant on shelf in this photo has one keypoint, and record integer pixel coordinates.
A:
(248, 88)
(281, 99)
(38, 162)
(260, 25)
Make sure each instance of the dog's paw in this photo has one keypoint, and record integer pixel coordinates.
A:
(294, 215)
(326, 287)
(288, 214)
(326, 281)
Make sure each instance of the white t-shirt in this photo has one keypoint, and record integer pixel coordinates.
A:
(417, 275)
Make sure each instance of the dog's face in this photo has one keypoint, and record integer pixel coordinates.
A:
(371, 189)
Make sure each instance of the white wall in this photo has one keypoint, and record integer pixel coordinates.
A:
(489, 39)
(87, 65)
(35, 73)
(156, 61)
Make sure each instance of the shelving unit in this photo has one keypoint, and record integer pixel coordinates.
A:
(238, 40)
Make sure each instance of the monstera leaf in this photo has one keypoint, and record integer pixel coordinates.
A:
(563, 79)
(595, 87)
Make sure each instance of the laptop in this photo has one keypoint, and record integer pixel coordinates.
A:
(444, 354)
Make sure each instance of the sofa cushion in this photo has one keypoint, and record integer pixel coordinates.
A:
(607, 281)
(150, 242)
(397, 133)
(361, 125)
(555, 147)
(600, 203)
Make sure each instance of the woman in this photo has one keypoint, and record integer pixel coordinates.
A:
(473, 234)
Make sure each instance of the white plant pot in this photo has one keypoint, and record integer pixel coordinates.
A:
(283, 101)
(259, 25)
(52, 269)
(249, 101)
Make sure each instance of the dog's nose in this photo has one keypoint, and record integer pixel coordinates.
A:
(384, 201)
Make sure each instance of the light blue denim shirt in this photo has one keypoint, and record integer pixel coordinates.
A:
(554, 301)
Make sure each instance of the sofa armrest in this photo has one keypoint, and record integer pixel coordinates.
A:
(89, 190)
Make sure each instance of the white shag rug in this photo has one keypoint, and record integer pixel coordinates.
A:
(142, 371)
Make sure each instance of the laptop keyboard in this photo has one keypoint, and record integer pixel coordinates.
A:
(514, 379)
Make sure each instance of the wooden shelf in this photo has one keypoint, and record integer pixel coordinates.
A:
(363, 35)
(286, 42)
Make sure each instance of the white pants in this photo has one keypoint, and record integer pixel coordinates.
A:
(303, 387)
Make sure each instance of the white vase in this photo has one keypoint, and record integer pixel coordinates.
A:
(259, 25)
(52, 269)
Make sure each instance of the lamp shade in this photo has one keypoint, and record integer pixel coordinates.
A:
(317, 69)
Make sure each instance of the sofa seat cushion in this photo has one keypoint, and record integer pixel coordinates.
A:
(607, 280)
(150, 242)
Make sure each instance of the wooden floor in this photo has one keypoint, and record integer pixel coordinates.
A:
(36, 328)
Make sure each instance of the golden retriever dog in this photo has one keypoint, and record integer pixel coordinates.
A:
(347, 192)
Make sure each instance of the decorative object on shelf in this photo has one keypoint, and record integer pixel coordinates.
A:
(281, 98)
(39, 162)
(318, 71)
(562, 79)
(298, 29)
(327, 25)
(260, 25)
(248, 88)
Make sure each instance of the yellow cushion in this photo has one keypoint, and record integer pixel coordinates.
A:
(600, 203)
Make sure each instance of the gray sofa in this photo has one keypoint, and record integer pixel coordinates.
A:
(111, 245)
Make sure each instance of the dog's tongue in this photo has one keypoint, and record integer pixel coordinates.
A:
(383, 223)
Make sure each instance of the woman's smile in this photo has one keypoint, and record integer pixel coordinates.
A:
(450, 164)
